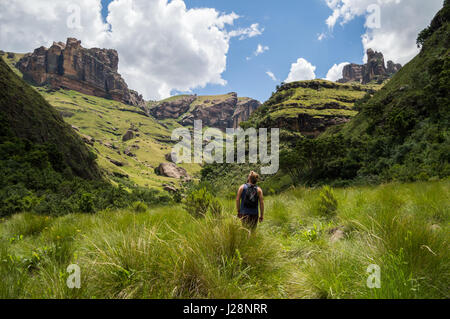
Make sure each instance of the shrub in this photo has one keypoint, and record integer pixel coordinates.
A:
(198, 202)
(86, 203)
(326, 204)
(139, 207)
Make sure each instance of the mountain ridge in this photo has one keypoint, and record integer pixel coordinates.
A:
(69, 65)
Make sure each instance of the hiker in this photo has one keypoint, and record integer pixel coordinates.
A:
(247, 200)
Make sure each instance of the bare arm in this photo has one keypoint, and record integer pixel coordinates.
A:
(238, 199)
(261, 204)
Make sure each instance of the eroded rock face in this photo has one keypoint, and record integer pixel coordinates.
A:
(244, 108)
(219, 112)
(374, 70)
(310, 125)
(173, 109)
(219, 115)
(70, 66)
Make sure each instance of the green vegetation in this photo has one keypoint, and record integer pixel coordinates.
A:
(45, 167)
(316, 98)
(200, 201)
(401, 132)
(58, 207)
(295, 253)
(106, 121)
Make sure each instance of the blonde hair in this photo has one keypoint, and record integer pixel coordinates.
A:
(253, 177)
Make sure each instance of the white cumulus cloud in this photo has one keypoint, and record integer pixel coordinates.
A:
(162, 45)
(301, 70)
(335, 73)
(400, 21)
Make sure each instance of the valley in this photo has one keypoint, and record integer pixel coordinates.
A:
(87, 180)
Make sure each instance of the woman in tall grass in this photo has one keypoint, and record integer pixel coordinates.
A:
(248, 197)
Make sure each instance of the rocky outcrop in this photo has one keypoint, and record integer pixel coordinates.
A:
(310, 125)
(129, 135)
(171, 170)
(244, 108)
(218, 115)
(70, 66)
(173, 109)
(221, 112)
(374, 70)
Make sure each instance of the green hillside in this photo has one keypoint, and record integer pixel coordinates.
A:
(47, 168)
(401, 133)
(28, 116)
(310, 106)
(105, 122)
(396, 132)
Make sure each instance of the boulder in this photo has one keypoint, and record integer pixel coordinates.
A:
(170, 188)
(88, 139)
(129, 135)
(115, 162)
(128, 152)
(173, 171)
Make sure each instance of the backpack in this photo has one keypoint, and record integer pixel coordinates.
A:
(251, 197)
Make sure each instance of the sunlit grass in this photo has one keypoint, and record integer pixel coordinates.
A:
(166, 253)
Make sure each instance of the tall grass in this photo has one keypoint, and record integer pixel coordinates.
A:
(166, 253)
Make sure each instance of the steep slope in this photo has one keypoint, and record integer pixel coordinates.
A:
(410, 116)
(29, 116)
(309, 107)
(401, 133)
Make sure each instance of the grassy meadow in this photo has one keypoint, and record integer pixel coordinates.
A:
(163, 252)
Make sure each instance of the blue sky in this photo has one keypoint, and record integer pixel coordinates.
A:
(291, 29)
(167, 47)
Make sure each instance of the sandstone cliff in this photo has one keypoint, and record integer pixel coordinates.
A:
(70, 66)
(374, 70)
(220, 111)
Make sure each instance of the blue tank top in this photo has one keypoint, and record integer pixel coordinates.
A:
(246, 210)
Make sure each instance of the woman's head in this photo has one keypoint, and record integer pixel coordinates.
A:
(253, 177)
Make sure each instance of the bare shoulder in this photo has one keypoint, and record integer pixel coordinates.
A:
(260, 191)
